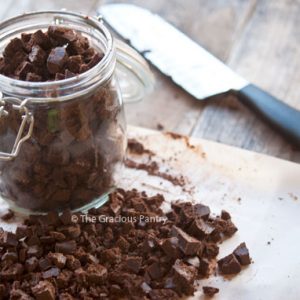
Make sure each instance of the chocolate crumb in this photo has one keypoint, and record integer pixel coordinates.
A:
(210, 291)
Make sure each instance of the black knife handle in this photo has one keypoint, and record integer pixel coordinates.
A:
(280, 115)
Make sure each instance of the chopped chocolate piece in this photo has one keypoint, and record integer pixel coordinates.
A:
(23, 69)
(59, 76)
(33, 77)
(242, 254)
(31, 264)
(62, 35)
(225, 215)
(170, 247)
(67, 247)
(15, 45)
(37, 56)
(8, 239)
(56, 60)
(10, 256)
(211, 250)
(133, 264)
(11, 272)
(74, 62)
(187, 244)
(96, 273)
(58, 259)
(210, 291)
(39, 38)
(44, 290)
(230, 229)
(200, 229)
(45, 264)
(204, 267)
(229, 265)
(69, 74)
(35, 250)
(202, 211)
(184, 277)
(52, 272)
(156, 270)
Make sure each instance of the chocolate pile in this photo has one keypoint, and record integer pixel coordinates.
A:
(56, 54)
(127, 249)
(76, 145)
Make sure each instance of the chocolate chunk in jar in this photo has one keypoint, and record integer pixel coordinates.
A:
(56, 60)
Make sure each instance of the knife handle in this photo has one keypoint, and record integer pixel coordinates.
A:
(278, 114)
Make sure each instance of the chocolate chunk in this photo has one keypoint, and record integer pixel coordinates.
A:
(11, 272)
(33, 77)
(44, 290)
(156, 270)
(35, 250)
(200, 229)
(230, 229)
(56, 60)
(69, 74)
(8, 239)
(204, 267)
(202, 211)
(133, 264)
(58, 259)
(184, 277)
(37, 56)
(242, 254)
(225, 215)
(10, 256)
(211, 250)
(39, 38)
(14, 46)
(74, 62)
(112, 255)
(67, 247)
(52, 272)
(23, 69)
(229, 265)
(170, 247)
(187, 244)
(96, 274)
(62, 35)
(210, 291)
(31, 264)
(45, 264)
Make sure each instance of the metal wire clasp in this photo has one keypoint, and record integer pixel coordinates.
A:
(27, 122)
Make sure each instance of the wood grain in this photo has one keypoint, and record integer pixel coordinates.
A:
(257, 38)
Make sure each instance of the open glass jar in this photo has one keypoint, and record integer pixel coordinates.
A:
(61, 142)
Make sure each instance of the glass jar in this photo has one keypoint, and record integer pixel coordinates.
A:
(61, 142)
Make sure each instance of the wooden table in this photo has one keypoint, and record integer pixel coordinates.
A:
(257, 38)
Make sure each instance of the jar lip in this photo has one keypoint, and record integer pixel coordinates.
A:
(93, 21)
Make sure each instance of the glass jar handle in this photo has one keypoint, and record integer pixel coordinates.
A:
(27, 118)
(133, 73)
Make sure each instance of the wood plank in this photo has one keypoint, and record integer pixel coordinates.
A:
(29, 5)
(268, 54)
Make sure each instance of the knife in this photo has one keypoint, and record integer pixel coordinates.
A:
(193, 68)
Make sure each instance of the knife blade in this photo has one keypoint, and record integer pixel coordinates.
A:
(192, 67)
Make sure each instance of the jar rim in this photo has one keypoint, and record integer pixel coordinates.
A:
(102, 66)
